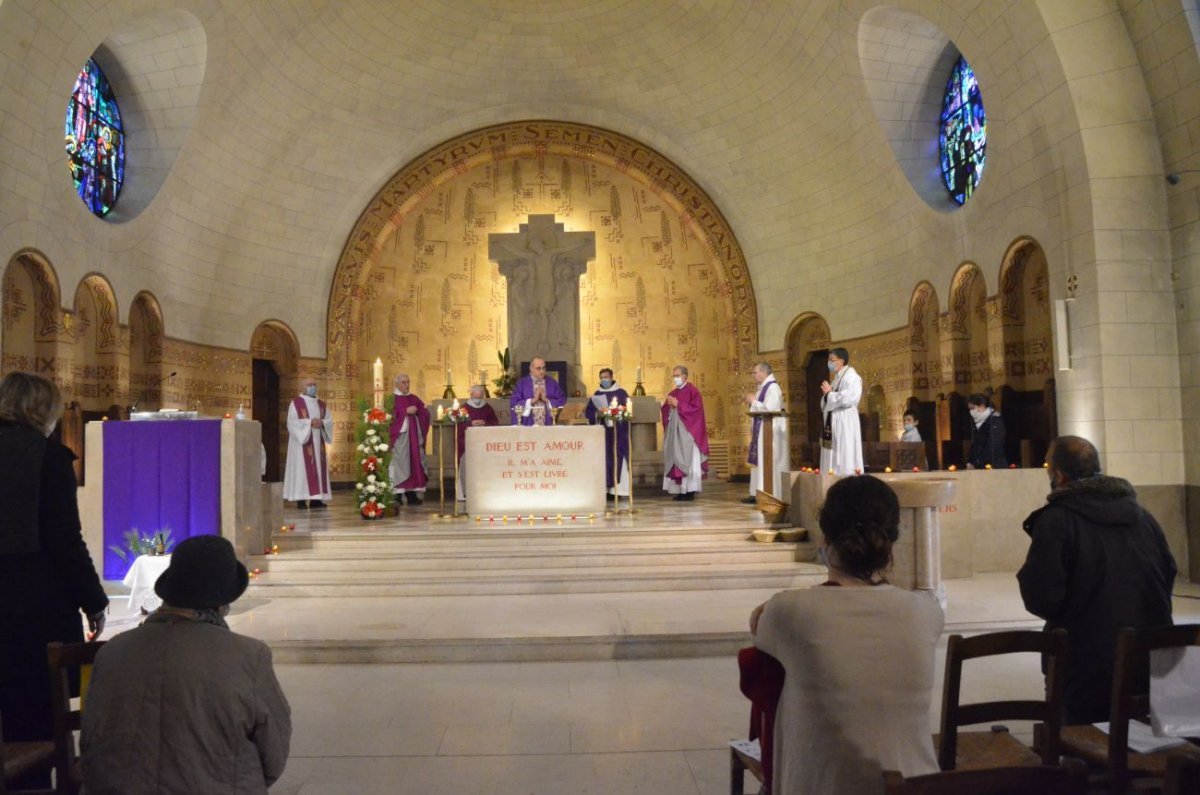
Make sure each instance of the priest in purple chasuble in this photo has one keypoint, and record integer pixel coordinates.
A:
(480, 414)
(306, 474)
(410, 426)
(685, 438)
(536, 397)
(602, 399)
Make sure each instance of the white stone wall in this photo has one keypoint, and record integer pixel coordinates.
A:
(305, 109)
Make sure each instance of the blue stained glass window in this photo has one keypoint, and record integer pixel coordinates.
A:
(963, 135)
(95, 140)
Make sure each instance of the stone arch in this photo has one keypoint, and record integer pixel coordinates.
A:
(924, 340)
(1024, 311)
(966, 329)
(503, 142)
(31, 315)
(99, 377)
(147, 331)
(275, 362)
(807, 335)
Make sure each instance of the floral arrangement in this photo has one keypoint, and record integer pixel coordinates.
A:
(373, 489)
(507, 381)
(617, 412)
(455, 413)
(136, 544)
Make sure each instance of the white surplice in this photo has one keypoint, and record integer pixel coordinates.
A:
(772, 401)
(295, 476)
(845, 458)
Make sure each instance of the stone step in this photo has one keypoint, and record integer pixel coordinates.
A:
(510, 534)
(611, 579)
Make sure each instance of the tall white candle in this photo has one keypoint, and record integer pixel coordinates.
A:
(639, 374)
(449, 378)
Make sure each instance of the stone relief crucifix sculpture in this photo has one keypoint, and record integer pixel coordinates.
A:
(542, 264)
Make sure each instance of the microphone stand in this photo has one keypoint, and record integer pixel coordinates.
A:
(146, 392)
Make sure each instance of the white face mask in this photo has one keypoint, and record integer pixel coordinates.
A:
(475, 402)
(311, 390)
(978, 414)
(833, 367)
(908, 426)
(678, 382)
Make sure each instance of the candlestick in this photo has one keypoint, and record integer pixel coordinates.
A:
(639, 374)
(454, 405)
(613, 404)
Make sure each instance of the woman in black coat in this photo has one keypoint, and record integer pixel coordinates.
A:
(987, 437)
(46, 573)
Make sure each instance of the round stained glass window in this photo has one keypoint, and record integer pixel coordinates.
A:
(95, 140)
(963, 135)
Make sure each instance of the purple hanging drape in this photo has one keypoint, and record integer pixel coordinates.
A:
(160, 475)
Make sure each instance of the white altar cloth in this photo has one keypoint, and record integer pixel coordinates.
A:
(141, 577)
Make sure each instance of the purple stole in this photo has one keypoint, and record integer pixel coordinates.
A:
(752, 457)
(318, 481)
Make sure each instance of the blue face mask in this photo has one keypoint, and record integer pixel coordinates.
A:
(605, 383)
(832, 366)
(311, 390)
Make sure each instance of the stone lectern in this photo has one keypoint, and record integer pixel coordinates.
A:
(542, 263)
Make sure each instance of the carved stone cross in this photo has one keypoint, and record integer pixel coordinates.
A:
(542, 264)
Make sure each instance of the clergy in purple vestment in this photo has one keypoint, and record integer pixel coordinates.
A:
(602, 399)
(536, 397)
(685, 438)
(481, 414)
(410, 426)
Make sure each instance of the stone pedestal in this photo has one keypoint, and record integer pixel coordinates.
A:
(917, 554)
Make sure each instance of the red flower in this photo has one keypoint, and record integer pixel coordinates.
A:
(370, 464)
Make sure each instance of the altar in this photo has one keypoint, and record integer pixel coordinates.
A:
(518, 470)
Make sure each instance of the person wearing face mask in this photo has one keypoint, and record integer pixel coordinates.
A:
(306, 476)
(410, 427)
(767, 397)
(841, 438)
(181, 703)
(480, 414)
(911, 433)
(46, 573)
(685, 438)
(602, 398)
(987, 438)
(1097, 561)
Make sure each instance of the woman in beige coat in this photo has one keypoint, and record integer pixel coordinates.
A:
(182, 704)
(858, 657)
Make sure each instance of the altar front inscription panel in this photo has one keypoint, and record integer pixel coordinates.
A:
(541, 471)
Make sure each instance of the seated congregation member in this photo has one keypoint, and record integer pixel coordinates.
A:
(181, 703)
(1097, 561)
(602, 398)
(481, 414)
(410, 427)
(858, 657)
(46, 573)
(987, 437)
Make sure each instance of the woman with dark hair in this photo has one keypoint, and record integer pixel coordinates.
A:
(987, 437)
(46, 573)
(858, 656)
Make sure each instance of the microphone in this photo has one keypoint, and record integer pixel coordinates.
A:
(146, 391)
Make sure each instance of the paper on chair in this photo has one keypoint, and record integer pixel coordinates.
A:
(1175, 691)
(748, 747)
(1142, 738)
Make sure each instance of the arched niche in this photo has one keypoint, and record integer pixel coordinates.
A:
(924, 341)
(414, 285)
(146, 334)
(275, 357)
(967, 331)
(807, 348)
(97, 370)
(31, 313)
(1024, 310)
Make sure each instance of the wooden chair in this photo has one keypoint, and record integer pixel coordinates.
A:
(998, 748)
(761, 681)
(1069, 779)
(1123, 768)
(65, 660)
(19, 758)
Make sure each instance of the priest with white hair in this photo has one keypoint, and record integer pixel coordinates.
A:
(767, 397)
(306, 476)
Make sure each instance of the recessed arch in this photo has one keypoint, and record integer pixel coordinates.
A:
(275, 341)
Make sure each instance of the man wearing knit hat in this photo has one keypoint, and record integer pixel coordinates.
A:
(183, 704)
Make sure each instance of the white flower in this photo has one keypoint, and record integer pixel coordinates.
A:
(358, 486)
(370, 478)
(381, 448)
(371, 432)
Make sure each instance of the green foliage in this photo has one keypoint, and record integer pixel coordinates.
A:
(136, 544)
(508, 379)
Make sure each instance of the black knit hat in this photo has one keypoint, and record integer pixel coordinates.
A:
(204, 572)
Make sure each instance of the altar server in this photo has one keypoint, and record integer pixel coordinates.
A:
(536, 397)
(306, 477)
(841, 439)
(410, 427)
(481, 414)
(602, 399)
(685, 439)
(768, 397)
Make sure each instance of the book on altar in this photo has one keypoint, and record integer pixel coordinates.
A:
(570, 413)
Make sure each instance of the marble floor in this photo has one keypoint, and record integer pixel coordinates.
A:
(605, 726)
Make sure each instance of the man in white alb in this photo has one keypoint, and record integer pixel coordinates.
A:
(841, 438)
(767, 397)
(306, 478)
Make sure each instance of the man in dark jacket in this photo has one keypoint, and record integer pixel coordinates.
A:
(1098, 562)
